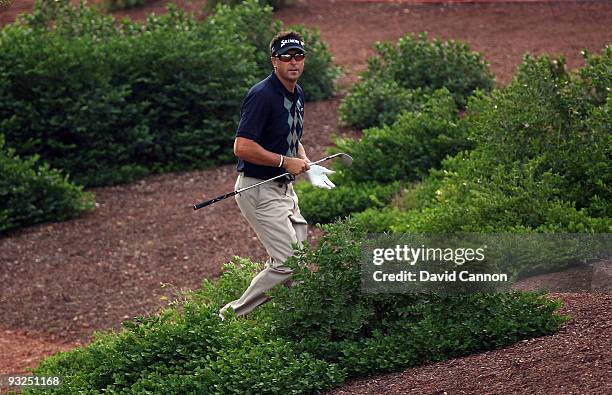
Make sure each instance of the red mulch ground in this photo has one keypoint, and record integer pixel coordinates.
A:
(62, 281)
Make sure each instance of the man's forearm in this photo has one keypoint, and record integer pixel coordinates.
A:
(252, 152)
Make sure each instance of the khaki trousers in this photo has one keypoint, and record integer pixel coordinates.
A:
(272, 211)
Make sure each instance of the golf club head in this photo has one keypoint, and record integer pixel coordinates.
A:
(346, 158)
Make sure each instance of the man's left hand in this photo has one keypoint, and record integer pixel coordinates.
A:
(317, 175)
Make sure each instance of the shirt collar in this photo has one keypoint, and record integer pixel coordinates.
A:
(280, 88)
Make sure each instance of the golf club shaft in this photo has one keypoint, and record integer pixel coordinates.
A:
(230, 194)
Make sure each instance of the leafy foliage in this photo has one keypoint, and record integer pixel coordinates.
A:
(143, 98)
(541, 162)
(402, 72)
(276, 4)
(310, 338)
(377, 102)
(193, 352)
(254, 23)
(369, 333)
(114, 5)
(109, 104)
(324, 206)
(387, 156)
(31, 192)
(413, 62)
(405, 151)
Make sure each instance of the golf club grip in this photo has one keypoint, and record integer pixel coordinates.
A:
(211, 201)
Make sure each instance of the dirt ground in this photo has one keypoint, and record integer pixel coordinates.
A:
(62, 281)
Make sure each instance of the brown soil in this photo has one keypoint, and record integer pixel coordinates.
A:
(62, 281)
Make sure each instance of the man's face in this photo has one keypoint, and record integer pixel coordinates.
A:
(291, 70)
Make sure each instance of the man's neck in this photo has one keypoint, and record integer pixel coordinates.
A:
(289, 85)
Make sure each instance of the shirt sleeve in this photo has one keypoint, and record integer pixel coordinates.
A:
(253, 116)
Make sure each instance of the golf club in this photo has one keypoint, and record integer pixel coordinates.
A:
(346, 159)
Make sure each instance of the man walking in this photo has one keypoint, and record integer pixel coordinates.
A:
(268, 144)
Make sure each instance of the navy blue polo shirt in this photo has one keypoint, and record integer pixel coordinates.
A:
(273, 117)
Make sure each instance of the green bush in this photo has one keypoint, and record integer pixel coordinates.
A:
(413, 63)
(511, 199)
(407, 149)
(541, 115)
(324, 206)
(386, 157)
(310, 338)
(109, 104)
(366, 333)
(186, 349)
(191, 353)
(114, 5)
(252, 21)
(598, 167)
(378, 102)
(541, 161)
(276, 4)
(378, 220)
(31, 192)
(143, 98)
(595, 77)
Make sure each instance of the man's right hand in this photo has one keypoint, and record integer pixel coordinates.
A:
(296, 166)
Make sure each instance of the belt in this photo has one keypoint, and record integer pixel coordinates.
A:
(282, 181)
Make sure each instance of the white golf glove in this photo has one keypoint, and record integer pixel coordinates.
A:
(317, 175)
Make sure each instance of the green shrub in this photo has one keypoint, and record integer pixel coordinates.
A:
(541, 161)
(324, 206)
(406, 150)
(595, 78)
(597, 166)
(114, 5)
(310, 338)
(64, 19)
(366, 333)
(541, 115)
(276, 4)
(386, 157)
(413, 63)
(378, 220)
(31, 192)
(450, 327)
(146, 98)
(109, 104)
(378, 102)
(513, 198)
(252, 21)
(191, 351)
